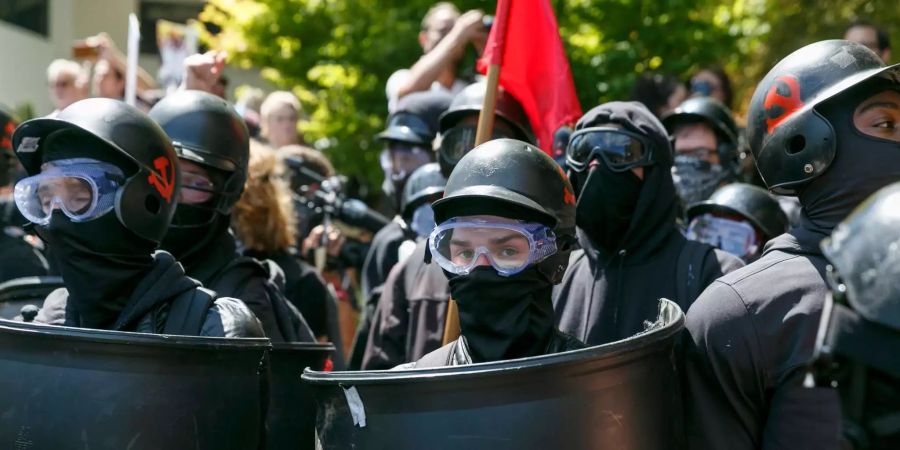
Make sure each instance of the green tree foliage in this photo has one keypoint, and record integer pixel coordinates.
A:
(336, 55)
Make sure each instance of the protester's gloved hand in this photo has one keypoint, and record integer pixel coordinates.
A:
(54, 310)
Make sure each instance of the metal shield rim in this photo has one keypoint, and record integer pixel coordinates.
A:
(647, 342)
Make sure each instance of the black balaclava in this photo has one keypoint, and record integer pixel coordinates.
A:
(199, 237)
(862, 164)
(100, 260)
(608, 202)
(503, 317)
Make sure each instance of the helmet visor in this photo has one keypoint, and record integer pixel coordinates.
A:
(620, 150)
(733, 236)
(82, 188)
(462, 244)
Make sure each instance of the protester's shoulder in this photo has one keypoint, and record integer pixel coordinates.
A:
(726, 261)
(230, 317)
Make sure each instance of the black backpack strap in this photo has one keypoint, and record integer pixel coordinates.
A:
(188, 311)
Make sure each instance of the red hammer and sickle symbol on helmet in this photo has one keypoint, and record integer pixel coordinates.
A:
(782, 100)
(164, 181)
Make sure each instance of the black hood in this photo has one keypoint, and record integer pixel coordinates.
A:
(653, 222)
(165, 281)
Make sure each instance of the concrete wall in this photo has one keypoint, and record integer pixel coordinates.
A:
(25, 55)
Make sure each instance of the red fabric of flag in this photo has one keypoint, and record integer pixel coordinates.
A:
(524, 40)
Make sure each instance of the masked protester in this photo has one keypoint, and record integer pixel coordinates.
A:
(409, 318)
(619, 161)
(102, 186)
(860, 328)
(738, 218)
(416, 220)
(822, 126)
(407, 146)
(212, 145)
(21, 254)
(706, 148)
(506, 227)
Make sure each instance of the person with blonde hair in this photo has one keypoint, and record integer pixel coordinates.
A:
(265, 223)
(67, 83)
(279, 115)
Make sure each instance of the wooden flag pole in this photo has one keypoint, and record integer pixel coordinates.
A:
(483, 134)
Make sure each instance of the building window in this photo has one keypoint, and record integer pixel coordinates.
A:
(33, 15)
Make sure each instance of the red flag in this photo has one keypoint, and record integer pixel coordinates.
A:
(525, 41)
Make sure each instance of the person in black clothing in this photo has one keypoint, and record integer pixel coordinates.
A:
(632, 253)
(102, 187)
(21, 255)
(822, 125)
(212, 145)
(409, 318)
(416, 218)
(408, 142)
(506, 227)
(860, 328)
(264, 224)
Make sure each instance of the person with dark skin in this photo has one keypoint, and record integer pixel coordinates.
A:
(619, 161)
(706, 148)
(738, 218)
(409, 318)
(212, 145)
(102, 187)
(822, 125)
(506, 225)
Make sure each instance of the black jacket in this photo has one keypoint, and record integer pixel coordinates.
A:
(303, 287)
(149, 305)
(456, 353)
(221, 269)
(409, 319)
(606, 297)
(381, 258)
(751, 334)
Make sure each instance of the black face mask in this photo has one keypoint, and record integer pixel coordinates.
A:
(606, 204)
(862, 165)
(100, 262)
(504, 317)
(191, 230)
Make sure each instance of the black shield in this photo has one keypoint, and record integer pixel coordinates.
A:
(291, 419)
(64, 387)
(623, 395)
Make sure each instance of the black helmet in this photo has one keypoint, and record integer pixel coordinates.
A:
(424, 184)
(455, 141)
(146, 202)
(790, 140)
(205, 129)
(864, 250)
(415, 120)
(714, 113)
(746, 200)
(506, 175)
(470, 100)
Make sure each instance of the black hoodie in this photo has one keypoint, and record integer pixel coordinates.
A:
(606, 297)
(148, 306)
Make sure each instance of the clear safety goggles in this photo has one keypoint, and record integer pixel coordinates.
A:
(398, 159)
(82, 188)
(619, 149)
(733, 236)
(422, 222)
(461, 244)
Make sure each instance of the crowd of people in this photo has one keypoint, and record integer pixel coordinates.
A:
(189, 214)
